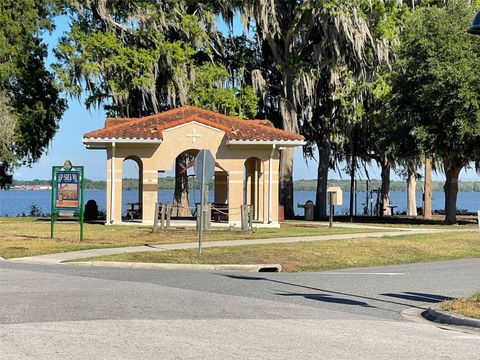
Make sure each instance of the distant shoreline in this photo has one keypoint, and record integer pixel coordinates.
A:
(168, 183)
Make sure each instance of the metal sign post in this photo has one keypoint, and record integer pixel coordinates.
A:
(205, 169)
(202, 205)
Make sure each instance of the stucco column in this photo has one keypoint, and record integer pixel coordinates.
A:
(252, 186)
(109, 188)
(235, 196)
(149, 194)
(114, 183)
(117, 213)
(261, 193)
(249, 187)
(273, 187)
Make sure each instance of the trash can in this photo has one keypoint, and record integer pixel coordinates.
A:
(309, 210)
(91, 210)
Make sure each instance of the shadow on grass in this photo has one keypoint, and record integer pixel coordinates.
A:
(462, 219)
(73, 220)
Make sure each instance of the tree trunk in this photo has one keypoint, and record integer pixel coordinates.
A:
(289, 119)
(180, 196)
(427, 192)
(322, 179)
(411, 188)
(286, 182)
(452, 170)
(385, 166)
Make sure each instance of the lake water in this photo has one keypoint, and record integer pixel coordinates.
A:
(17, 202)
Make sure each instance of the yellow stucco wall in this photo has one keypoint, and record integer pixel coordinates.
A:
(161, 157)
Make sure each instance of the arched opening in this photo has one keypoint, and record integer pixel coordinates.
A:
(220, 195)
(182, 204)
(132, 188)
(252, 176)
(181, 189)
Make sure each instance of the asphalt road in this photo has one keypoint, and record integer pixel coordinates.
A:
(65, 312)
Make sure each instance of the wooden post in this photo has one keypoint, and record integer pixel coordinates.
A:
(169, 214)
(162, 217)
(206, 216)
(250, 217)
(365, 208)
(243, 216)
(242, 220)
(155, 219)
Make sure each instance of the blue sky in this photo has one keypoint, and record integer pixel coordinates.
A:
(77, 121)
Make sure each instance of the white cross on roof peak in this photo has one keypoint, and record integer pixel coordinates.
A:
(194, 136)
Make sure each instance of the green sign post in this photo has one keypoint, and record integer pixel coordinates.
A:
(67, 193)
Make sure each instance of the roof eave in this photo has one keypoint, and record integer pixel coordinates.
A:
(283, 143)
(101, 143)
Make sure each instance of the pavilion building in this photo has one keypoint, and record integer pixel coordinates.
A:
(246, 153)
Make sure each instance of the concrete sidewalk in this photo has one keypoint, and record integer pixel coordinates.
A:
(74, 255)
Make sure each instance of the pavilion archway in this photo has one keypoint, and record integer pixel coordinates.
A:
(132, 207)
(252, 186)
(183, 171)
(187, 188)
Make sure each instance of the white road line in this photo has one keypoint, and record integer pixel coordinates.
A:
(468, 337)
(362, 273)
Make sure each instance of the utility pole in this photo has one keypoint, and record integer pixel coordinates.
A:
(352, 179)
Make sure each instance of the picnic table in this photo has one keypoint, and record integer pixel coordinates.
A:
(392, 207)
(134, 211)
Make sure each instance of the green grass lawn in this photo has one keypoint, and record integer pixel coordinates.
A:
(469, 307)
(29, 236)
(325, 255)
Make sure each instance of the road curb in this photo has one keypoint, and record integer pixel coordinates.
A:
(445, 317)
(194, 267)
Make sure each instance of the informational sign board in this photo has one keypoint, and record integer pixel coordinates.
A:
(67, 190)
(336, 198)
(67, 193)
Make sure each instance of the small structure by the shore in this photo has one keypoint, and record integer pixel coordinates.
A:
(246, 154)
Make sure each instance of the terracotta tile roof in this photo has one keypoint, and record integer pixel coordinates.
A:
(116, 121)
(151, 127)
